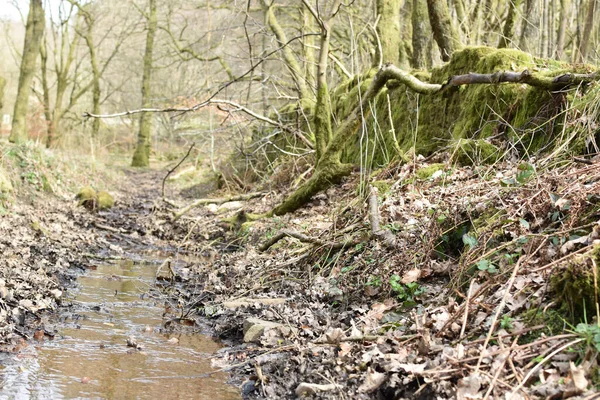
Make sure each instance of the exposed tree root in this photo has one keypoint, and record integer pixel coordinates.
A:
(307, 239)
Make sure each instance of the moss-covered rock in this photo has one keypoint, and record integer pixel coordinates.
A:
(86, 193)
(382, 186)
(474, 152)
(93, 200)
(574, 288)
(428, 171)
(401, 120)
(105, 200)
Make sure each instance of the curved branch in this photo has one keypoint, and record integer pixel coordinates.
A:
(198, 106)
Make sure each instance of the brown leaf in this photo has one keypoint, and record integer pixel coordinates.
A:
(373, 381)
(411, 276)
(578, 376)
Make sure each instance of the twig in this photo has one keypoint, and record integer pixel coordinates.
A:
(174, 168)
(306, 239)
(548, 357)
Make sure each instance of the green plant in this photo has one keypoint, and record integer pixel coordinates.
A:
(486, 265)
(506, 322)
(405, 293)
(469, 240)
(374, 281)
(590, 333)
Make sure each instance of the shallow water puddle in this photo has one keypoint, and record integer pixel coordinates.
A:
(89, 357)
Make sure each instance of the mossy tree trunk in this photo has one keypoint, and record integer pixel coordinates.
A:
(508, 31)
(322, 112)
(330, 169)
(444, 32)
(141, 156)
(530, 30)
(34, 30)
(2, 87)
(88, 36)
(388, 29)
(421, 35)
(289, 58)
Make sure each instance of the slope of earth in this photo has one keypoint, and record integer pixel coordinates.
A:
(427, 281)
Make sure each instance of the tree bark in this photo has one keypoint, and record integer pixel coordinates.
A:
(444, 32)
(530, 31)
(141, 157)
(587, 30)
(421, 34)
(388, 29)
(508, 32)
(562, 27)
(34, 30)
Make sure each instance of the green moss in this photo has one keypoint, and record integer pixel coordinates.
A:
(5, 184)
(573, 288)
(105, 200)
(553, 321)
(85, 194)
(474, 152)
(382, 186)
(428, 171)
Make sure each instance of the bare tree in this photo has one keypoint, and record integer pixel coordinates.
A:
(141, 156)
(33, 35)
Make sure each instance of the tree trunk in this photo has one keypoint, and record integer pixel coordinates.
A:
(530, 31)
(330, 170)
(587, 30)
(141, 157)
(444, 32)
(288, 55)
(388, 29)
(461, 15)
(508, 32)
(421, 34)
(33, 36)
(562, 27)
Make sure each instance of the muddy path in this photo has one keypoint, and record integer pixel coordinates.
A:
(114, 333)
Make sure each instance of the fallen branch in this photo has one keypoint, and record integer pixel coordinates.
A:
(221, 200)
(306, 239)
(527, 77)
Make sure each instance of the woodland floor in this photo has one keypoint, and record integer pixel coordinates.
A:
(460, 304)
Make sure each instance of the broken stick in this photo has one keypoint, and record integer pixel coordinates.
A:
(200, 202)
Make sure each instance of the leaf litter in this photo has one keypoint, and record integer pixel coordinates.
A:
(464, 305)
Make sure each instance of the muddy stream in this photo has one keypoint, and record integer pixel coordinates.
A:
(89, 356)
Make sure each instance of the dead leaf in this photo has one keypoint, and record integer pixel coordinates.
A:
(373, 381)
(468, 388)
(411, 276)
(334, 335)
(308, 389)
(578, 377)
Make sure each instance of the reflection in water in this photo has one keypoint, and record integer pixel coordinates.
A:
(93, 348)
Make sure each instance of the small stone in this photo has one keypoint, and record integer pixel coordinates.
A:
(246, 302)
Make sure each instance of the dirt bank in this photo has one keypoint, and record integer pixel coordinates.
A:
(459, 293)
(452, 297)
